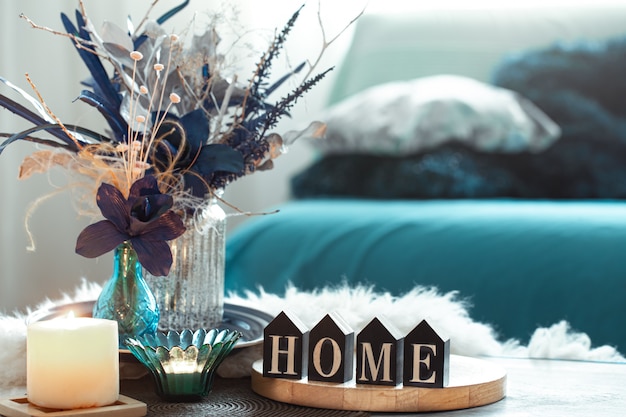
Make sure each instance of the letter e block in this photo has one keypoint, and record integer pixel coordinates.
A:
(331, 350)
(426, 358)
(379, 354)
(285, 343)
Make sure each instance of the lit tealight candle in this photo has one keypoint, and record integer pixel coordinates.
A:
(72, 363)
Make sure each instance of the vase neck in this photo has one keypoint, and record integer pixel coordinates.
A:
(125, 262)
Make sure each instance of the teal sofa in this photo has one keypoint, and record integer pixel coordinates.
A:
(520, 264)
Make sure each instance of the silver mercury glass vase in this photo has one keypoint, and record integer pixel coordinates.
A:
(192, 295)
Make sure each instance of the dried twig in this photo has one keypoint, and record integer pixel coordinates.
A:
(49, 111)
(327, 43)
(79, 42)
(146, 15)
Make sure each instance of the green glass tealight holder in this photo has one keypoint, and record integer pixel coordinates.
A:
(183, 364)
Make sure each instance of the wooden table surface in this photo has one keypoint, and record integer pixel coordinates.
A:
(552, 388)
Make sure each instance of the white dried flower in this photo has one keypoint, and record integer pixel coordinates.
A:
(174, 98)
(136, 55)
(141, 166)
(159, 67)
(143, 89)
(136, 144)
(140, 119)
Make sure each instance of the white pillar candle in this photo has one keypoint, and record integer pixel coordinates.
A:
(72, 363)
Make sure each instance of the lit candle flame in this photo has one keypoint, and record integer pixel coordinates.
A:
(180, 367)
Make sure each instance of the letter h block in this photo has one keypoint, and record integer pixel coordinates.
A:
(379, 354)
(426, 358)
(285, 343)
(331, 351)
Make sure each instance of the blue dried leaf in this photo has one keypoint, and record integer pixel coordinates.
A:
(30, 116)
(172, 12)
(112, 116)
(196, 127)
(55, 130)
(93, 63)
(284, 78)
(166, 16)
(218, 157)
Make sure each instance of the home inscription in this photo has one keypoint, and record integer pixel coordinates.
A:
(378, 355)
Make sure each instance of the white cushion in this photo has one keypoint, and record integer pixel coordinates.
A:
(401, 118)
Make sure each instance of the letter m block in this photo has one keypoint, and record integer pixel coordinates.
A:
(285, 343)
(379, 354)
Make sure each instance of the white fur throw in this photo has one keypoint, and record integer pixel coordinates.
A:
(447, 313)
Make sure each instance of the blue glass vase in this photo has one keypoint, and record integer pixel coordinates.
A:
(126, 297)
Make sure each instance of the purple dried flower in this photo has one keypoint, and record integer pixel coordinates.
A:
(144, 219)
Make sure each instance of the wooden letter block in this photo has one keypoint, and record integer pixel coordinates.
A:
(426, 358)
(285, 343)
(331, 351)
(379, 354)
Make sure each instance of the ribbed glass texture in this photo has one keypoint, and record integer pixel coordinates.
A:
(183, 364)
(192, 295)
(126, 297)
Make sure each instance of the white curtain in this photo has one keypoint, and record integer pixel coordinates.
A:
(28, 277)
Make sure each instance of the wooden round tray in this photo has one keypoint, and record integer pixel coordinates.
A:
(473, 382)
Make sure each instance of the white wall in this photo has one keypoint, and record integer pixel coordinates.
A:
(26, 278)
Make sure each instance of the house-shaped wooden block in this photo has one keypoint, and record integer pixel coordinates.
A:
(379, 354)
(285, 342)
(331, 350)
(426, 357)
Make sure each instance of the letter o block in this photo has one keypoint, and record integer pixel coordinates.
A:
(331, 350)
